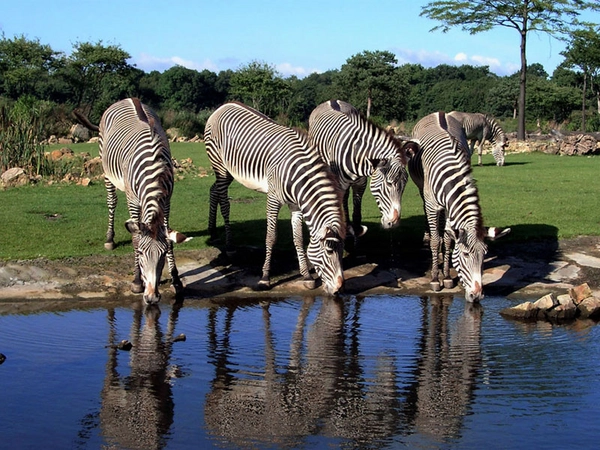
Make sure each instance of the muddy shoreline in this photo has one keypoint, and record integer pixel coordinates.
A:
(519, 270)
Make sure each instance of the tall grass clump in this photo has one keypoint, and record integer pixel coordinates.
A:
(22, 137)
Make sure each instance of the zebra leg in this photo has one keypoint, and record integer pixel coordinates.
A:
(480, 152)
(175, 280)
(448, 281)
(433, 219)
(111, 201)
(309, 282)
(358, 191)
(273, 207)
(137, 286)
(219, 197)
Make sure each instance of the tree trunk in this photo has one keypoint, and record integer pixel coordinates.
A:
(368, 104)
(583, 103)
(522, 81)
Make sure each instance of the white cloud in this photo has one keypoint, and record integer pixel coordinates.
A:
(148, 63)
(432, 59)
(286, 69)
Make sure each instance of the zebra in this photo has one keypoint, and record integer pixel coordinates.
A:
(245, 145)
(355, 149)
(136, 158)
(479, 128)
(442, 172)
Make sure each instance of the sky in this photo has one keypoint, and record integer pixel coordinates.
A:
(295, 37)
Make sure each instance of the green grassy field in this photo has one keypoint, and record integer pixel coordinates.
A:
(537, 195)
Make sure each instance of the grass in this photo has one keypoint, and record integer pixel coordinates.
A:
(537, 195)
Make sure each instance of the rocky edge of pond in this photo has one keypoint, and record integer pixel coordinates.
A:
(545, 270)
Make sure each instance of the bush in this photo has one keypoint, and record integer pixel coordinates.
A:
(188, 123)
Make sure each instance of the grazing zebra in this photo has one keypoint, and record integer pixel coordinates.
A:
(479, 128)
(247, 146)
(356, 149)
(442, 171)
(136, 158)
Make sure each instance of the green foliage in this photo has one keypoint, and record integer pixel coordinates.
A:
(21, 136)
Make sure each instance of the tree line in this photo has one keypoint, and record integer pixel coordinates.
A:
(95, 75)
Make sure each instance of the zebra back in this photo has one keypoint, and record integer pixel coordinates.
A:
(136, 157)
(355, 148)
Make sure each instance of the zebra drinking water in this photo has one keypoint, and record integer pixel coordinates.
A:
(136, 158)
(247, 146)
(442, 172)
(356, 149)
(479, 128)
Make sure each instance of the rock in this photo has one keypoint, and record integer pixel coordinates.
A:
(579, 293)
(93, 167)
(524, 311)
(2, 358)
(589, 308)
(562, 312)
(565, 299)
(546, 302)
(14, 176)
(79, 133)
(93, 140)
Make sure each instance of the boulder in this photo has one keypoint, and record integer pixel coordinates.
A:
(14, 176)
(562, 312)
(524, 311)
(589, 308)
(579, 293)
(578, 144)
(79, 133)
(546, 302)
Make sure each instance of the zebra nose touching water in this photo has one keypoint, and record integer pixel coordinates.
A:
(355, 149)
(442, 172)
(245, 145)
(136, 158)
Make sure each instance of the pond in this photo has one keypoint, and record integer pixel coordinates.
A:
(302, 372)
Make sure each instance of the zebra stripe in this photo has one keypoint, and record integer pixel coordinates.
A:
(247, 146)
(355, 149)
(442, 171)
(479, 128)
(136, 159)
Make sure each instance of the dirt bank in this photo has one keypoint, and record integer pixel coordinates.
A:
(516, 270)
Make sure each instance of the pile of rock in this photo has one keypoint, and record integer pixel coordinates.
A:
(579, 302)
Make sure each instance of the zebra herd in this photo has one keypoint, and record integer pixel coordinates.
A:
(312, 173)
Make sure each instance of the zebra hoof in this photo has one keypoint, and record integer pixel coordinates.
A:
(435, 286)
(137, 288)
(309, 284)
(109, 245)
(448, 283)
(264, 285)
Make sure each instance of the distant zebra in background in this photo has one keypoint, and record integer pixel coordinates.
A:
(247, 146)
(442, 172)
(479, 128)
(136, 158)
(356, 149)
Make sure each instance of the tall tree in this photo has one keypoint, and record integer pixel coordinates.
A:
(557, 18)
(583, 53)
(367, 75)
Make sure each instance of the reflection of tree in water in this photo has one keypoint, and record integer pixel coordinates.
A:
(137, 410)
(445, 378)
(321, 390)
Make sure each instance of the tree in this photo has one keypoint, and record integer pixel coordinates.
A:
(368, 75)
(260, 85)
(557, 18)
(26, 66)
(89, 64)
(583, 52)
(188, 89)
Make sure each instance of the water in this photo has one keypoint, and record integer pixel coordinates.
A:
(374, 372)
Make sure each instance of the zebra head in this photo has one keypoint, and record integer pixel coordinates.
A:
(151, 242)
(498, 151)
(467, 258)
(388, 181)
(325, 254)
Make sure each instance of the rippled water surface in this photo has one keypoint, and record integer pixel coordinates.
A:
(374, 372)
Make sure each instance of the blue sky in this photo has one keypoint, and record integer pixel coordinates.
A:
(296, 37)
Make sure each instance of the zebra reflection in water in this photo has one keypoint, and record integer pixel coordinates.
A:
(326, 386)
(137, 409)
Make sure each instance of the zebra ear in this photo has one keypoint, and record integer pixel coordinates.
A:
(132, 227)
(377, 162)
(410, 149)
(177, 237)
